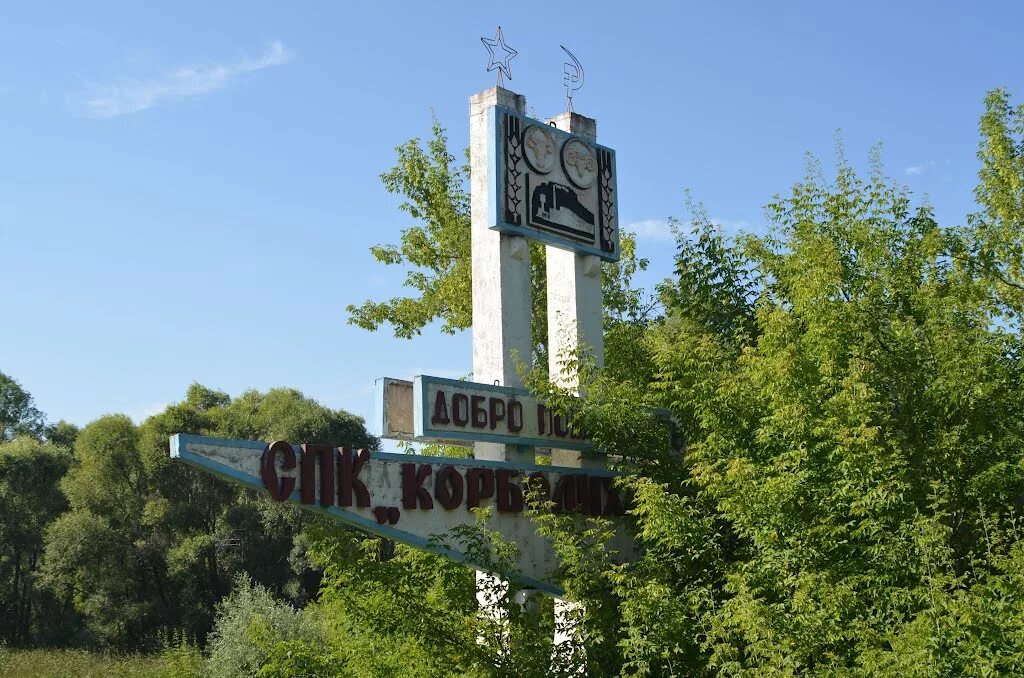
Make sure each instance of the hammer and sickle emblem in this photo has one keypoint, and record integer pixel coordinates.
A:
(573, 79)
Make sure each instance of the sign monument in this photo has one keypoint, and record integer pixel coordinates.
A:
(549, 182)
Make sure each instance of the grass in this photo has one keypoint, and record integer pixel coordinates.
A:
(78, 664)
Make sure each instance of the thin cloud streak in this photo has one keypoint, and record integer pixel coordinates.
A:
(133, 95)
(652, 229)
(917, 170)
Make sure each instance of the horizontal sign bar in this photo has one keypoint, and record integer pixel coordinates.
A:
(412, 499)
(447, 409)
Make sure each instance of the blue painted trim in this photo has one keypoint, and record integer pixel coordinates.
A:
(179, 442)
(424, 430)
(496, 188)
(489, 463)
(378, 413)
(476, 386)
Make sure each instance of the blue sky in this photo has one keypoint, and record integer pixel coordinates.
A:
(188, 192)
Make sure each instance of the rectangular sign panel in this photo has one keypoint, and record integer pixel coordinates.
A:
(447, 409)
(414, 499)
(553, 186)
(393, 418)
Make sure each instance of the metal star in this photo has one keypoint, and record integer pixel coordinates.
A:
(500, 64)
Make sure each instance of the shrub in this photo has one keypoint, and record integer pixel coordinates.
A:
(245, 619)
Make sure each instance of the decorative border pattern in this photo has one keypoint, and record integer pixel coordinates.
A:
(606, 200)
(513, 156)
(505, 180)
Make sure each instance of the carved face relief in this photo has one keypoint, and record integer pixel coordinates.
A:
(539, 145)
(579, 162)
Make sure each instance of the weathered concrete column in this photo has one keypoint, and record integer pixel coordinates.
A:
(575, 303)
(502, 319)
(575, 319)
(501, 273)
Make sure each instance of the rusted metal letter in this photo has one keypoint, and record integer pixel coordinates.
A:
(440, 415)
(324, 454)
(510, 495)
(479, 412)
(515, 416)
(413, 491)
(497, 413)
(348, 478)
(479, 485)
(280, 489)
(460, 409)
(448, 486)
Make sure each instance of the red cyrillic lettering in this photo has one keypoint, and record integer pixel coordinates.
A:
(565, 494)
(413, 491)
(594, 505)
(479, 485)
(496, 414)
(280, 489)
(325, 455)
(348, 478)
(479, 413)
(510, 495)
(440, 415)
(448, 485)
(588, 494)
(460, 409)
(515, 416)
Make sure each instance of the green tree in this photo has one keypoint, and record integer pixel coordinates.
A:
(848, 503)
(62, 434)
(992, 240)
(151, 545)
(437, 257)
(848, 386)
(18, 414)
(30, 498)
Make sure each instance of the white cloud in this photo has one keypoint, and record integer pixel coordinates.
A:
(132, 95)
(916, 170)
(147, 412)
(652, 229)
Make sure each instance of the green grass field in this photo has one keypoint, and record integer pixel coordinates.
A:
(77, 664)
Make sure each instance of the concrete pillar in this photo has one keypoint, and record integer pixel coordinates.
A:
(575, 302)
(575, 319)
(501, 273)
(502, 307)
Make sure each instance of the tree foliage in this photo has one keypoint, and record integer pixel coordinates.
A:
(848, 388)
(18, 413)
(841, 494)
(151, 545)
(437, 257)
(30, 498)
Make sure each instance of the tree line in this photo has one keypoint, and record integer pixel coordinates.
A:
(845, 499)
(108, 543)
